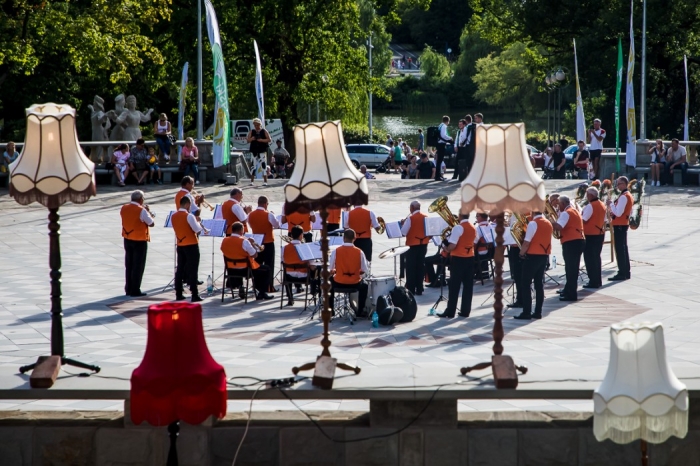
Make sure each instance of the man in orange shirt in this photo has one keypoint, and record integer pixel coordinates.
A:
(620, 213)
(534, 252)
(572, 240)
(333, 222)
(460, 245)
(305, 221)
(239, 253)
(262, 222)
(413, 229)
(187, 231)
(348, 264)
(593, 216)
(135, 223)
(187, 184)
(297, 269)
(233, 211)
(362, 220)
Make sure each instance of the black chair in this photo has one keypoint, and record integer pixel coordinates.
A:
(488, 258)
(236, 268)
(289, 280)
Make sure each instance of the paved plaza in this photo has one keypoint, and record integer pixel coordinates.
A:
(104, 327)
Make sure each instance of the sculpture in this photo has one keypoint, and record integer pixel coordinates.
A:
(118, 130)
(100, 127)
(131, 118)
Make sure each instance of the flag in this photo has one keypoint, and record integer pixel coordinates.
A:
(617, 104)
(259, 85)
(686, 129)
(221, 116)
(580, 120)
(181, 108)
(631, 158)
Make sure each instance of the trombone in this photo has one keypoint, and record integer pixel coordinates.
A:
(203, 201)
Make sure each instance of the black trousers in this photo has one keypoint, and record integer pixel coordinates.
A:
(261, 278)
(572, 251)
(459, 156)
(461, 275)
(516, 270)
(439, 157)
(471, 150)
(591, 257)
(415, 268)
(622, 255)
(361, 287)
(365, 245)
(135, 264)
(435, 266)
(332, 227)
(187, 268)
(309, 237)
(267, 257)
(533, 269)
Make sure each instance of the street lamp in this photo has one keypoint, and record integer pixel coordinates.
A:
(555, 80)
(369, 48)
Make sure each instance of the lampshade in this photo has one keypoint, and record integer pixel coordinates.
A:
(323, 174)
(640, 398)
(502, 177)
(52, 168)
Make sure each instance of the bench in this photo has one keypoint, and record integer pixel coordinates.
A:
(166, 172)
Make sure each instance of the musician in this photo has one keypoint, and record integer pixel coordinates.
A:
(348, 264)
(262, 222)
(239, 253)
(484, 242)
(136, 219)
(362, 220)
(187, 184)
(570, 224)
(233, 211)
(593, 216)
(620, 213)
(413, 228)
(305, 221)
(296, 268)
(515, 263)
(333, 221)
(187, 230)
(534, 252)
(461, 248)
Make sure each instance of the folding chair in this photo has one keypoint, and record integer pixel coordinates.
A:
(232, 268)
(288, 280)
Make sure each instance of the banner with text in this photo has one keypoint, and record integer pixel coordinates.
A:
(181, 108)
(221, 151)
(631, 150)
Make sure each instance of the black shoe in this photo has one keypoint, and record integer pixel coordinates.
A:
(196, 299)
(515, 305)
(299, 289)
(588, 285)
(463, 315)
(138, 295)
(537, 316)
(264, 296)
(290, 303)
(200, 282)
(560, 291)
(433, 285)
(616, 278)
(445, 315)
(523, 316)
(179, 297)
(418, 293)
(563, 298)
(241, 293)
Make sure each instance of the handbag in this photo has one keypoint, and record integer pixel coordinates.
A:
(172, 139)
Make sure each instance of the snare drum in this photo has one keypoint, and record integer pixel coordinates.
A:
(378, 286)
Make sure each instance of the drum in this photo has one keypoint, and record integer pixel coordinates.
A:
(378, 286)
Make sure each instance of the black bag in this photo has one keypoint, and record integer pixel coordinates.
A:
(432, 136)
(390, 316)
(402, 298)
(172, 139)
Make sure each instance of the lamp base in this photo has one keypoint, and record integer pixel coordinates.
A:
(324, 371)
(46, 368)
(503, 370)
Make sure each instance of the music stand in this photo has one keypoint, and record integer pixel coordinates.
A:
(441, 277)
(217, 229)
(169, 224)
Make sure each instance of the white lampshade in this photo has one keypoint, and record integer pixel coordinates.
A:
(323, 174)
(52, 168)
(502, 177)
(640, 398)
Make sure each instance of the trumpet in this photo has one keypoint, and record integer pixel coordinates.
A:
(151, 213)
(202, 201)
(382, 226)
(286, 238)
(256, 246)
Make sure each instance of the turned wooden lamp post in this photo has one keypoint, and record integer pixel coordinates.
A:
(323, 177)
(502, 178)
(52, 170)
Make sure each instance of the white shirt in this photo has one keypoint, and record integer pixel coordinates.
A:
(531, 228)
(407, 224)
(270, 217)
(677, 154)
(508, 239)
(563, 218)
(595, 144)
(587, 212)
(193, 207)
(457, 232)
(238, 211)
(483, 230)
(462, 137)
(618, 208)
(363, 260)
(192, 221)
(145, 217)
(443, 134)
(466, 130)
(295, 273)
(247, 247)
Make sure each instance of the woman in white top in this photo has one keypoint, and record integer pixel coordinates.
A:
(162, 130)
(120, 160)
(190, 160)
(658, 157)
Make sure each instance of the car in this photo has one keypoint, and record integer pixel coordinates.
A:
(571, 150)
(370, 155)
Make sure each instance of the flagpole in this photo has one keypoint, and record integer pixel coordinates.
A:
(199, 71)
(643, 103)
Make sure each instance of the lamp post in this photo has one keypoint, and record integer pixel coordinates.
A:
(643, 100)
(369, 46)
(200, 120)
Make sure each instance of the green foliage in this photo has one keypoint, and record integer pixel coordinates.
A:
(359, 134)
(435, 23)
(435, 66)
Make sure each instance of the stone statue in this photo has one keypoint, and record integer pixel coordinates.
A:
(100, 128)
(118, 130)
(130, 119)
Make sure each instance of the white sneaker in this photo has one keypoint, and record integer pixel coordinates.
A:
(658, 183)
(196, 182)
(264, 184)
(252, 184)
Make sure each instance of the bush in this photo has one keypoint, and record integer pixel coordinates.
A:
(539, 139)
(359, 134)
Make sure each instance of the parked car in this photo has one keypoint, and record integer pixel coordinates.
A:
(371, 155)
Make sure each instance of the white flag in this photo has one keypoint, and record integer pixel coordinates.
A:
(686, 128)
(580, 120)
(631, 157)
(259, 85)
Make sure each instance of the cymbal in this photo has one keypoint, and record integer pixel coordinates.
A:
(397, 251)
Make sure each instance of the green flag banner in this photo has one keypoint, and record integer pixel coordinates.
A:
(617, 104)
(222, 140)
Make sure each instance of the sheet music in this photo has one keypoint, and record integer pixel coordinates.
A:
(393, 230)
(257, 238)
(169, 219)
(218, 212)
(216, 227)
(344, 218)
(434, 226)
(308, 251)
(283, 226)
(332, 241)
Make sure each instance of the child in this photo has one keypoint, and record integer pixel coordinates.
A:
(153, 168)
(120, 160)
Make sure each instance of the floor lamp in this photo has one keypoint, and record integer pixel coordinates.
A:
(501, 179)
(52, 170)
(323, 177)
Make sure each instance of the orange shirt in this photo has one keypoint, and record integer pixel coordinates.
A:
(260, 224)
(465, 243)
(541, 243)
(624, 220)
(132, 226)
(232, 248)
(302, 220)
(183, 231)
(360, 220)
(416, 233)
(595, 225)
(180, 194)
(573, 229)
(348, 265)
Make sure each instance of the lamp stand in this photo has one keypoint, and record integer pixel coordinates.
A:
(173, 433)
(645, 456)
(503, 366)
(324, 365)
(45, 370)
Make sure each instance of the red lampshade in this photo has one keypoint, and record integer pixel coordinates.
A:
(178, 379)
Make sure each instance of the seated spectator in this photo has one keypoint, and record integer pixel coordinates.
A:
(410, 171)
(120, 162)
(138, 162)
(280, 157)
(368, 175)
(675, 158)
(153, 168)
(189, 163)
(10, 155)
(426, 168)
(581, 158)
(658, 159)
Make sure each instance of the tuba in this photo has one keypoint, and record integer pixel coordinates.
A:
(440, 207)
(551, 214)
(382, 226)
(519, 229)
